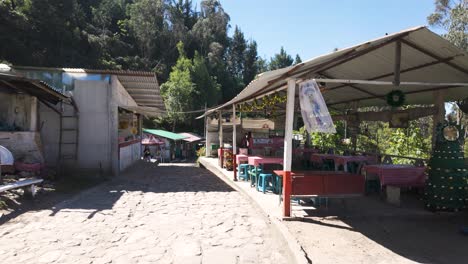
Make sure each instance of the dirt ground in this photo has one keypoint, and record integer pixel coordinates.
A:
(367, 230)
(172, 213)
(13, 203)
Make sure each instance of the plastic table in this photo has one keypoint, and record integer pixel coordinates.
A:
(397, 174)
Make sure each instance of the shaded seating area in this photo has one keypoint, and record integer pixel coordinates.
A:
(394, 79)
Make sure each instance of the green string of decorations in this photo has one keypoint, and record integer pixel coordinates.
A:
(268, 101)
(395, 98)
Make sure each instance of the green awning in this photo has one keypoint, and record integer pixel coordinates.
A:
(164, 134)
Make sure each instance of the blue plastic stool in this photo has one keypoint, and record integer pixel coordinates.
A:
(263, 182)
(243, 171)
(253, 173)
(277, 184)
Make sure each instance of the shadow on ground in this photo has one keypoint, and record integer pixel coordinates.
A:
(145, 177)
(409, 230)
(141, 177)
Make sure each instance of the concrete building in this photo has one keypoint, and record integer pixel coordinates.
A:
(96, 128)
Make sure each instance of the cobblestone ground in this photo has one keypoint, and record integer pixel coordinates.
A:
(164, 214)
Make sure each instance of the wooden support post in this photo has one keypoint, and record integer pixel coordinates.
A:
(439, 104)
(234, 141)
(396, 71)
(288, 133)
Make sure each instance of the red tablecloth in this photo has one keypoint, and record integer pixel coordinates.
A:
(241, 158)
(398, 175)
(318, 158)
(256, 161)
(304, 150)
(343, 160)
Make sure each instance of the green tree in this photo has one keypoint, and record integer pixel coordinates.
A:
(453, 17)
(236, 56)
(297, 60)
(147, 23)
(206, 89)
(262, 65)
(178, 90)
(250, 62)
(281, 60)
(211, 26)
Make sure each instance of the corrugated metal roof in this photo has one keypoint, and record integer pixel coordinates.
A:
(144, 110)
(164, 134)
(426, 57)
(143, 89)
(142, 86)
(36, 88)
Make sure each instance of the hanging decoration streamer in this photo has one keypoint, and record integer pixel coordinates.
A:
(269, 101)
(313, 109)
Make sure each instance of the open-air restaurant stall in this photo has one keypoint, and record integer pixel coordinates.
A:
(396, 78)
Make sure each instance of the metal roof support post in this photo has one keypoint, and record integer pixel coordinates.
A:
(396, 71)
(234, 141)
(288, 133)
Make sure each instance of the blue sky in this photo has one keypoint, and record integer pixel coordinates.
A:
(314, 27)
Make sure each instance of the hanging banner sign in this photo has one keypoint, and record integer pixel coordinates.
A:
(313, 109)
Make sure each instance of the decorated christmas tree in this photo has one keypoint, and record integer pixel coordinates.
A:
(447, 184)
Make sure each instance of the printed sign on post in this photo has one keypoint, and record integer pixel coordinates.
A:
(313, 109)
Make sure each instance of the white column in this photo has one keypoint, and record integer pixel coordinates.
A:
(220, 124)
(234, 136)
(288, 128)
(207, 137)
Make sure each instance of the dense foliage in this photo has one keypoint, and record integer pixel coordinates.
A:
(211, 68)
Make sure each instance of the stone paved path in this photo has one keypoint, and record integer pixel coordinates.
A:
(167, 214)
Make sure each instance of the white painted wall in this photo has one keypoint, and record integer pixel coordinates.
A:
(119, 157)
(98, 149)
(92, 98)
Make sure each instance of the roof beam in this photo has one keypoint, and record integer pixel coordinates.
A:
(396, 71)
(345, 57)
(388, 83)
(50, 91)
(402, 71)
(429, 53)
(357, 54)
(10, 86)
(354, 87)
(411, 92)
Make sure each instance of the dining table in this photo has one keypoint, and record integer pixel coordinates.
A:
(342, 160)
(400, 175)
(241, 158)
(259, 160)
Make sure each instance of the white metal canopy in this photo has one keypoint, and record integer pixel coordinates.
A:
(418, 59)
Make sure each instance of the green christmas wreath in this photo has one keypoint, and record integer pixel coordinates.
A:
(396, 98)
